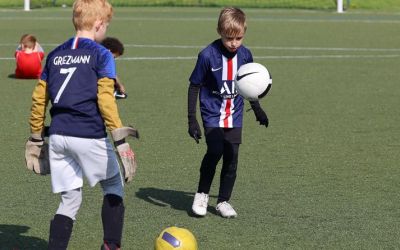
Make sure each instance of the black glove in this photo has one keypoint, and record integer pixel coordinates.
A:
(194, 129)
(261, 116)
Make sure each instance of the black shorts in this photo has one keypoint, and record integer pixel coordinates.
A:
(232, 135)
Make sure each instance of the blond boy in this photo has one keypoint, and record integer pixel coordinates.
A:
(78, 79)
(221, 109)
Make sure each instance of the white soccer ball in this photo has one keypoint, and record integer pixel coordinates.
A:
(253, 81)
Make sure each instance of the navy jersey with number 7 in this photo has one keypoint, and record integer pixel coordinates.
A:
(72, 71)
(215, 70)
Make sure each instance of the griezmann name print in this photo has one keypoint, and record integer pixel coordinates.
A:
(69, 59)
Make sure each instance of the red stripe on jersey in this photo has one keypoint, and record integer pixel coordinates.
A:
(75, 43)
(228, 101)
(230, 69)
(228, 113)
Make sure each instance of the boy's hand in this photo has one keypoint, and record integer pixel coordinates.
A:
(194, 129)
(260, 114)
(37, 155)
(128, 160)
(125, 153)
(119, 86)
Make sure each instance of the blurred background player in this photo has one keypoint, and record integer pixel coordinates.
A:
(117, 49)
(78, 79)
(28, 57)
(221, 109)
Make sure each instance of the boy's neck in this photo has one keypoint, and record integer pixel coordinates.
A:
(85, 34)
(225, 51)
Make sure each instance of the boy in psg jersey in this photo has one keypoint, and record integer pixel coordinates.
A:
(78, 78)
(221, 109)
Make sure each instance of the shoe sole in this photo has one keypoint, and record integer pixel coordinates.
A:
(198, 215)
(228, 217)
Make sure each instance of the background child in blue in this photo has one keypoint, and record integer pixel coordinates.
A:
(117, 49)
(221, 109)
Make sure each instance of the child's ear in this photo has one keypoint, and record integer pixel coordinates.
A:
(98, 24)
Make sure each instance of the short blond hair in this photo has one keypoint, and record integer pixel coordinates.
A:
(231, 21)
(28, 41)
(87, 12)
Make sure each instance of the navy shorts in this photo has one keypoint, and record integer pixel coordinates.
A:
(232, 135)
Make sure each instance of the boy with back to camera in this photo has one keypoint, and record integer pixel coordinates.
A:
(78, 79)
(221, 109)
(28, 58)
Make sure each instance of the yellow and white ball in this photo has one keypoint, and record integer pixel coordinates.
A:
(176, 238)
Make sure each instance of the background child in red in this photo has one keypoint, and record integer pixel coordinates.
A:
(28, 58)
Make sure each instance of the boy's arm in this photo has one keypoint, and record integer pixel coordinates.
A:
(194, 128)
(38, 48)
(109, 111)
(36, 149)
(107, 105)
(18, 49)
(40, 100)
(119, 85)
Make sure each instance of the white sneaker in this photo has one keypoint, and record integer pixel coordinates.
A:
(200, 204)
(226, 210)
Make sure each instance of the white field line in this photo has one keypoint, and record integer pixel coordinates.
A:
(265, 19)
(300, 57)
(308, 19)
(270, 57)
(250, 47)
(168, 58)
(267, 48)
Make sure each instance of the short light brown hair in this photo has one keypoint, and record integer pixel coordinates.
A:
(28, 41)
(231, 21)
(87, 12)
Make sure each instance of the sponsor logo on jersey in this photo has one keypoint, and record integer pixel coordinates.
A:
(213, 70)
(226, 92)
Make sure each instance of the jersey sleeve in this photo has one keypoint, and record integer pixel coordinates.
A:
(107, 105)
(200, 70)
(106, 65)
(40, 99)
(249, 57)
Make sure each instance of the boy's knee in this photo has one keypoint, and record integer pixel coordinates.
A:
(113, 185)
(70, 203)
(215, 150)
(113, 200)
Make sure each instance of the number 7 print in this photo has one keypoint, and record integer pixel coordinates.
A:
(68, 71)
